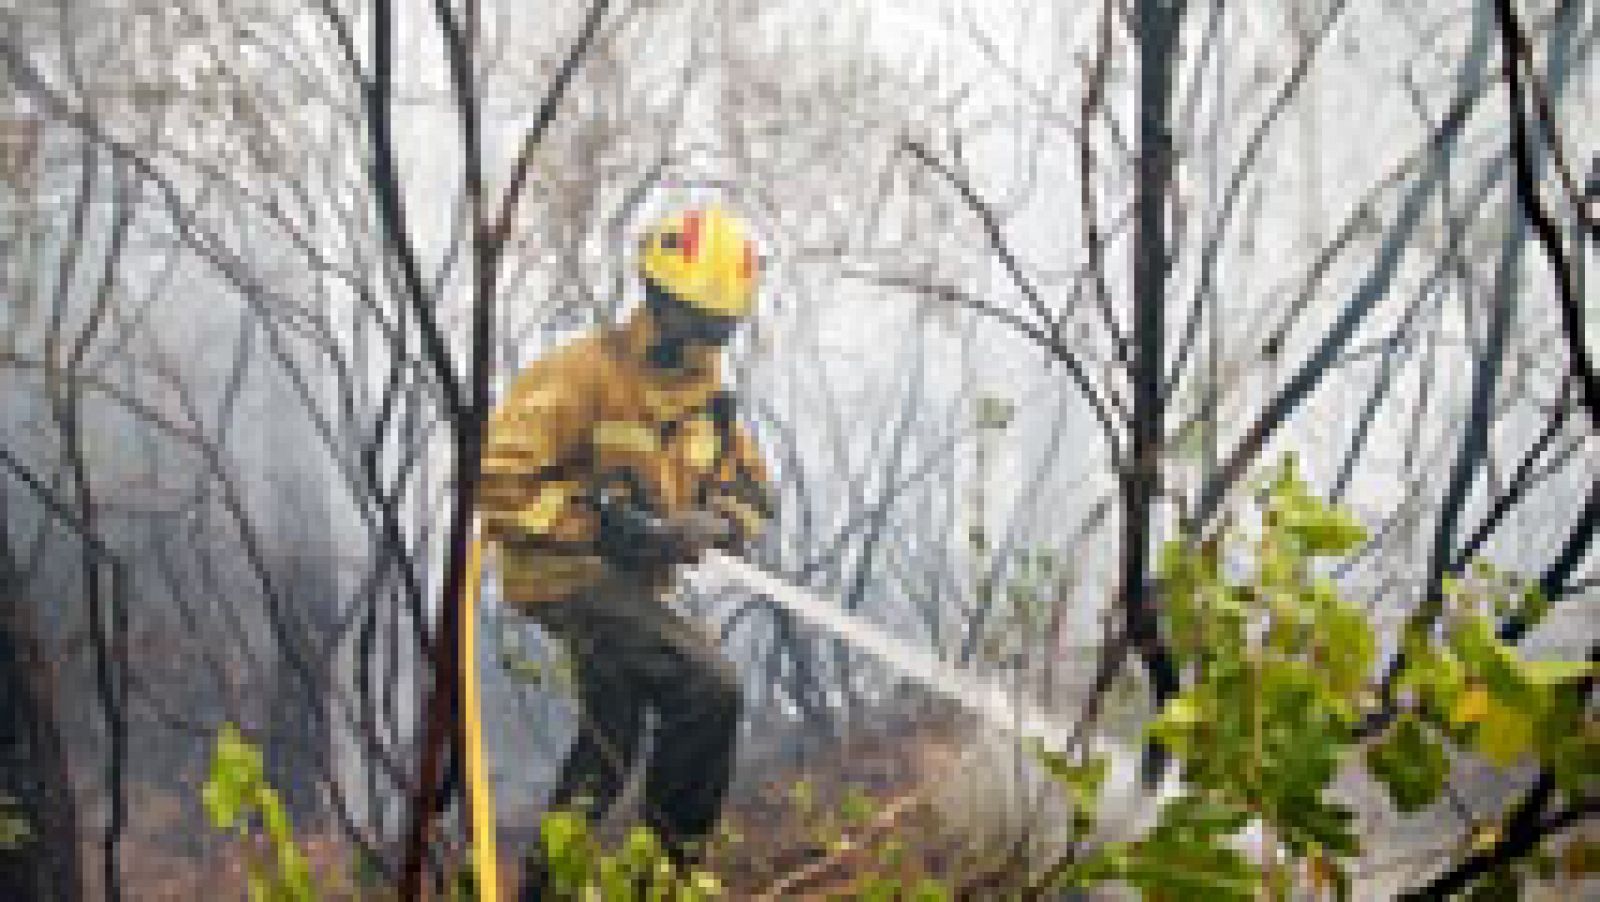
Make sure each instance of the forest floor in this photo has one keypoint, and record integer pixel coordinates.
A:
(914, 796)
(866, 808)
(813, 830)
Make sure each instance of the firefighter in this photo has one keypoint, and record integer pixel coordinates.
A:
(609, 463)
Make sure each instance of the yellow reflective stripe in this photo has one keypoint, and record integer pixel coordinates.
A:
(538, 517)
(504, 461)
(517, 445)
(626, 435)
(530, 578)
(668, 403)
(750, 519)
(542, 399)
(701, 446)
(559, 568)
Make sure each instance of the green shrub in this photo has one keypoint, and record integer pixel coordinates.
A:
(1280, 670)
(238, 799)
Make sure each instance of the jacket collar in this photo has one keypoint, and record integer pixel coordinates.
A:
(637, 334)
(668, 393)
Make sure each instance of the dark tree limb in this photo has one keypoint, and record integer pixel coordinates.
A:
(1515, 54)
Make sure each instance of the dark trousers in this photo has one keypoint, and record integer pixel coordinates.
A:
(631, 653)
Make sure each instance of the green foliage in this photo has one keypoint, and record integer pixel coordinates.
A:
(1268, 735)
(1410, 763)
(580, 867)
(1281, 664)
(1499, 885)
(856, 808)
(1081, 782)
(803, 796)
(238, 799)
(1280, 669)
(1476, 689)
(1319, 529)
(878, 888)
(1185, 856)
(15, 831)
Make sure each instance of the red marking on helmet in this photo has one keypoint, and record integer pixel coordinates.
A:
(691, 235)
(748, 270)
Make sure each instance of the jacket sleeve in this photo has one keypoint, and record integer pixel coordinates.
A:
(535, 446)
(744, 489)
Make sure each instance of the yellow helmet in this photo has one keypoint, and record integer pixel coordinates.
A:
(705, 258)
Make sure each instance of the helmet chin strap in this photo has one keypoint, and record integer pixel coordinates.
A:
(674, 334)
(665, 351)
(664, 354)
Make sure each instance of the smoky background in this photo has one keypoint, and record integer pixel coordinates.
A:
(268, 264)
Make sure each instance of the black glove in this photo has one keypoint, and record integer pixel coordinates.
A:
(628, 536)
(691, 533)
(633, 539)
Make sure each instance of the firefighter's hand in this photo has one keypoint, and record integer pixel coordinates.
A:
(690, 534)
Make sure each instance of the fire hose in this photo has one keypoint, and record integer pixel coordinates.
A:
(479, 800)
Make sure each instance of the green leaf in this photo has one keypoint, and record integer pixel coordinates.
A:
(1346, 647)
(879, 889)
(616, 879)
(236, 772)
(1328, 532)
(704, 886)
(15, 830)
(1170, 866)
(1310, 822)
(1487, 659)
(802, 796)
(641, 850)
(1498, 885)
(1505, 734)
(294, 874)
(564, 836)
(1193, 818)
(1410, 764)
(1554, 673)
(1574, 760)
(257, 887)
(273, 816)
(1183, 711)
(1531, 606)
(856, 807)
(235, 791)
(1081, 781)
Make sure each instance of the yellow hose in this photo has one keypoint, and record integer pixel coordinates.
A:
(481, 802)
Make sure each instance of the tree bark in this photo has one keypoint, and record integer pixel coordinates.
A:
(33, 758)
(1157, 23)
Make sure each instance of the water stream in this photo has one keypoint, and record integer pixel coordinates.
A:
(998, 707)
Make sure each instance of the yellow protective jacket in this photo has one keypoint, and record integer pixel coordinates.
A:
(595, 414)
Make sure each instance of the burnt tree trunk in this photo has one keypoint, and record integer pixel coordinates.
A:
(1157, 23)
(34, 784)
